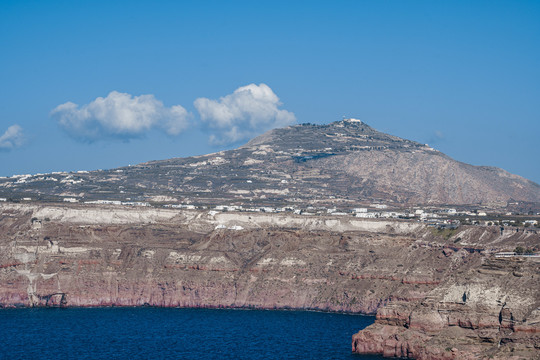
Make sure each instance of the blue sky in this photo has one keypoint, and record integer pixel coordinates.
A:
(463, 76)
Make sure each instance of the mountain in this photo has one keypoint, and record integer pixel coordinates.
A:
(343, 163)
(439, 291)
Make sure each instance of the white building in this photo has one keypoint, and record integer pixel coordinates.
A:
(135, 203)
(505, 254)
(369, 215)
(235, 227)
(105, 202)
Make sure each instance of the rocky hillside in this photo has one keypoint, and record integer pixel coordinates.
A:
(438, 294)
(342, 163)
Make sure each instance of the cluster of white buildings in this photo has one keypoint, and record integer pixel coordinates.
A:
(28, 178)
(267, 209)
(181, 206)
(118, 202)
(383, 214)
(507, 254)
(366, 213)
(233, 227)
(421, 214)
(373, 211)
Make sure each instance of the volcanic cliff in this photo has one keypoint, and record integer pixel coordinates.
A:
(438, 294)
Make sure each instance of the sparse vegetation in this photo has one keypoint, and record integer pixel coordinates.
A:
(444, 233)
(227, 178)
(520, 250)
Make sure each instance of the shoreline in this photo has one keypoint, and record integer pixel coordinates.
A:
(209, 307)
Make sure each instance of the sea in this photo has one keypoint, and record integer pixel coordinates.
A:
(167, 333)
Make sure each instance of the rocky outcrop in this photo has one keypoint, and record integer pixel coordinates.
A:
(486, 312)
(435, 297)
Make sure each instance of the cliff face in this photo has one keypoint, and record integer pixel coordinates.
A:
(436, 295)
(488, 311)
(114, 256)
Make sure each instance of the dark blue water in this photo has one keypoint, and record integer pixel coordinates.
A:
(155, 333)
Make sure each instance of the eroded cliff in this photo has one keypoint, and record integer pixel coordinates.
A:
(436, 295)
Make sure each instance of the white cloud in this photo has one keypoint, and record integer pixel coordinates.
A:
(12, 138)
(248, 111)
(120, 115)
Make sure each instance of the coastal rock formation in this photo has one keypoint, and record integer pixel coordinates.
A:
(437, 295)
(490, 311)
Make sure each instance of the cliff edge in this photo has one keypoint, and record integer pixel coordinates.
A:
(438, 294)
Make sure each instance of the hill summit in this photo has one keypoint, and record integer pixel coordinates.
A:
(344, 162)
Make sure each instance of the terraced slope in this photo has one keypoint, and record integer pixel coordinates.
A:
(343, 163)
